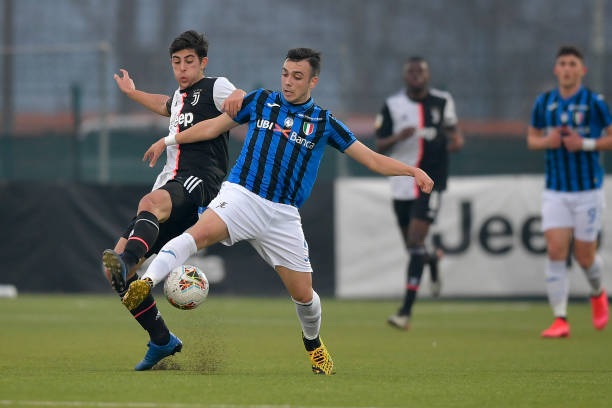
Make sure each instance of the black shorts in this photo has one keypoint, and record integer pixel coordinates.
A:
(425, 207)
(189, 197)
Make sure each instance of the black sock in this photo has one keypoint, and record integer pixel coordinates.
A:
(147, 315)
(415, 271)
(127, 285)
(311, 344)
(146, 229)
(432, 261)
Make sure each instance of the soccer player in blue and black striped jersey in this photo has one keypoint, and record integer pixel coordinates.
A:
(572, 124)
(271, 179)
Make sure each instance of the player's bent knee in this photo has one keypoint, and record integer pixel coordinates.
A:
(585, 260)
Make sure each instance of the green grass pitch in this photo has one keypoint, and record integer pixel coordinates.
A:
(79, 351)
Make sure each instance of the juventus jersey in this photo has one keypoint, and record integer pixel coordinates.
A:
(427, 147)
(587, 113)
(206, 160)
(284, 145)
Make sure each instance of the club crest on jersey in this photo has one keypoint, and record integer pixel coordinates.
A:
(435, 115)
(307, 128)
(288, 122)
(196, 97)
(564, 118)
(578, 118)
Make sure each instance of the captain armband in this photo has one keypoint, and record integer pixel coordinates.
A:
(170, 140)
(588, 144)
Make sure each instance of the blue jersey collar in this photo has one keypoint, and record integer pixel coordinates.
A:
(572, 96)
(299, 107)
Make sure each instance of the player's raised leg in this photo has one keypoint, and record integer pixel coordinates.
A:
(173, 254)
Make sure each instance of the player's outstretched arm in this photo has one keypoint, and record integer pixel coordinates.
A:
(387, 166)
(154, 102)
(205, 130)
(233, 102)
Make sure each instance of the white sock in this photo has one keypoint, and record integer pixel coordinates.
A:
(173, 254)
(557, 287)
(310, 316)
(594, 274)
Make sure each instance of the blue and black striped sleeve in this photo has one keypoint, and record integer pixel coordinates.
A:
(341, 136)
(603, 111)
(538, 114)
(248, 105)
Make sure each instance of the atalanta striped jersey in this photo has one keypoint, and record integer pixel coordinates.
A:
(284, 146)
(585, 112)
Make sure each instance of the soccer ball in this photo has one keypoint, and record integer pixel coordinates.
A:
(186, 287)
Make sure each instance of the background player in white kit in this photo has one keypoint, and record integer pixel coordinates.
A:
(418, 126)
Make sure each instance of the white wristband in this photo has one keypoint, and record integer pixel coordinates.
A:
(588, 144)
(170, 140)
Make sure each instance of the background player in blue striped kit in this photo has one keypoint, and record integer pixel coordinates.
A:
(572, 123)
(271, 179)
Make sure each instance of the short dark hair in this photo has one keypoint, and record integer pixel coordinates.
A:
(190, 39)
(313, 57)
(570, 50)
(416, 58)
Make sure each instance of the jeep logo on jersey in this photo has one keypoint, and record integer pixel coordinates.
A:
(185, 119)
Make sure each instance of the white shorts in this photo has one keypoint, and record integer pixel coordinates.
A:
(582, 211)
(273, 229)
